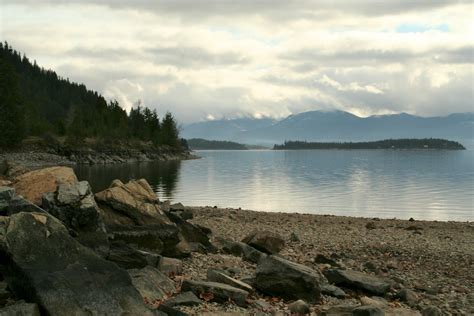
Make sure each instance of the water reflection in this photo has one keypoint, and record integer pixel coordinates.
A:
(163, 176)
(403, 184)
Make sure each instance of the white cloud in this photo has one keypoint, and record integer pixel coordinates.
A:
(258, 58)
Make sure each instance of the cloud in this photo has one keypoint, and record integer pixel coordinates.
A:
(214, 58)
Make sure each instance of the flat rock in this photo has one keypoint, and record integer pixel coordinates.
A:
(289, 280)
(238, 248)
(265, 241)
(184, 299)
(219, 292)
(33, 184)
(215, 275)
(46, 265)
(332, 290)
(357, 280)
(152, 284)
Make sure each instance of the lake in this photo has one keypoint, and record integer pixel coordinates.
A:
(431, 184)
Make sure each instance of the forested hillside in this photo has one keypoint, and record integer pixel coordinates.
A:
(37, 102)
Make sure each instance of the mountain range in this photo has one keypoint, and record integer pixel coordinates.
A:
(334, 126)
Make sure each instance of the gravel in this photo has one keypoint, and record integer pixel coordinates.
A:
(432, 259)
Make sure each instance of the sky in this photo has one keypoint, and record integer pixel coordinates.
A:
(213, 59)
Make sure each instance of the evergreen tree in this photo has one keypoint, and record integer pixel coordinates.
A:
(169, 131)
(11, 115)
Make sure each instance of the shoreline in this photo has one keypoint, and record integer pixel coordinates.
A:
(40, 159)
(288, 213)
(432, 258)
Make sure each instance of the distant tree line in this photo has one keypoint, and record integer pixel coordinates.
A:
(199, 143)
(408, 143)
(37, 102)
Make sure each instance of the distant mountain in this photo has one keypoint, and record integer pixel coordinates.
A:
(224, 129)
(336, 126)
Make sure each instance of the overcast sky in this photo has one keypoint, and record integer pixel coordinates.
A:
(213, 59)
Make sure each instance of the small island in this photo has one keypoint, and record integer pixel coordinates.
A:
(204, 144)
(424, 143)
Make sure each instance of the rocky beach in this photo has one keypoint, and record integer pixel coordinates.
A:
(121, 251)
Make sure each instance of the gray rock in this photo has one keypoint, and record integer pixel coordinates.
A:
(127, 257)
(195, 236)
(249, 279)
(431, 311)
(6, 193)
(151, 283)
(238, 248)
(68, 194)
(218, 276)
(158, 238)
(289, 280)
(18, 204)
(368, 311)
(220, 292)
(265, 241)
(20, 308)
(48, 266)
(357, 280)
(74, 205)
(408, 296)
(294, 237)
(299, 307)
(176, 207)
(170, 266)
(325, 260)
(332, 290)
(184, 299)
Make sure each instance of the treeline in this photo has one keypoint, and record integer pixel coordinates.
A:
(199, 143)
(37, 102)
(409, 143)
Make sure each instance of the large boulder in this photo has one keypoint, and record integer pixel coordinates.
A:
(280, 277)
(131, 203)
(266, 241)
(32, 185)
(45, 265)
(196, 237)
(74, 205)
(132, 214)
(357, 280)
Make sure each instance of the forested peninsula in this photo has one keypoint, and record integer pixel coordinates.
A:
(41, 109)
(424, 143)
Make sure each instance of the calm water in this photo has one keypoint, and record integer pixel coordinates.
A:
(435, 185)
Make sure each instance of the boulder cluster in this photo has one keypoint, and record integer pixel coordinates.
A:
(67, 251)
